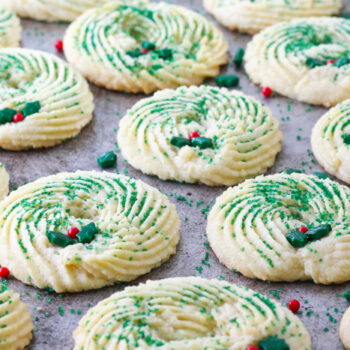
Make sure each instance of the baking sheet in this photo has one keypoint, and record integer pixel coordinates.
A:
(322, 307)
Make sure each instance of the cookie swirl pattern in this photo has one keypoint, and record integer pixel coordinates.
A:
(135, 228)
(245, 137)
(188, 313)
(284, 227)
(10, 28)
(330, 141)
(54, 100)
(306, 59)
(145, 47)
(51, 10)
(15, 323)
(4, 182)
(253, 16)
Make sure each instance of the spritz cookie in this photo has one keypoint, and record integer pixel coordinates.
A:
(330, 141)
(15, 323)
(51, 10)
(10, 28)
(200, 134)
(344, 330)
(252, 16)
(85, 230)
(190, 313)
(4, 182)
(306, 59)
(145, 47)
(284, 227)
(43, 101)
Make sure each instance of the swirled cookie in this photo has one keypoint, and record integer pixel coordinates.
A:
(189, 313)
(144, 48)
(284, 227)
(330, 141)
(200, 134)
(4, 182)
(84, 230)
(252, 16)
(344, 330)
(10, 28)
(43, 101)
(15, 323)
(307, 59)
(51, 10)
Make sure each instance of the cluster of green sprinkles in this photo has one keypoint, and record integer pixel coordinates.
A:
(200, 142)
(30, 108)
(299, 239)
(314, 62)
(150, 48)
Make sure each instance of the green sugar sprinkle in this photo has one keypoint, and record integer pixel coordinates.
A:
(228, 80)
(273, 343)
(6, 115)
(107, 160)
(31, 108)
(59, 239)
(239, 57)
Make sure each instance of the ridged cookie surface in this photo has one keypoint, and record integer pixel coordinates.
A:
(15, 323)
(188, 314)
(252, 16)
(62, 95)
(306, 59)
(249, 224)
(330, 141)
(10, 28)
(245, 137)
(4, 182)
(145, 47)
(344, 330)
(51, 10)
(137, 230)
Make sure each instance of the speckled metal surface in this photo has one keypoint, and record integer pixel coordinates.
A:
(322, 308)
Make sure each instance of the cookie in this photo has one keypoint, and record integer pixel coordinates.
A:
(330, 141)
(189, 313)
(344, 330)
(43, 101)
(10, 28)
(200, 134)
(284, 227)
(253, 16)
(4, 182)
(85, 230)
(306, 59)
(51, 10)
(145, 47)
(15, 323)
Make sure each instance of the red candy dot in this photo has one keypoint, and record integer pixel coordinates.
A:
(303, 229)
(294, 305)
(59, 45)
(266, 91)
(4, 272)
(194, 134)
(145, 51)
(330, 61)
(72, 232)
(252, 347)
(18, 117)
